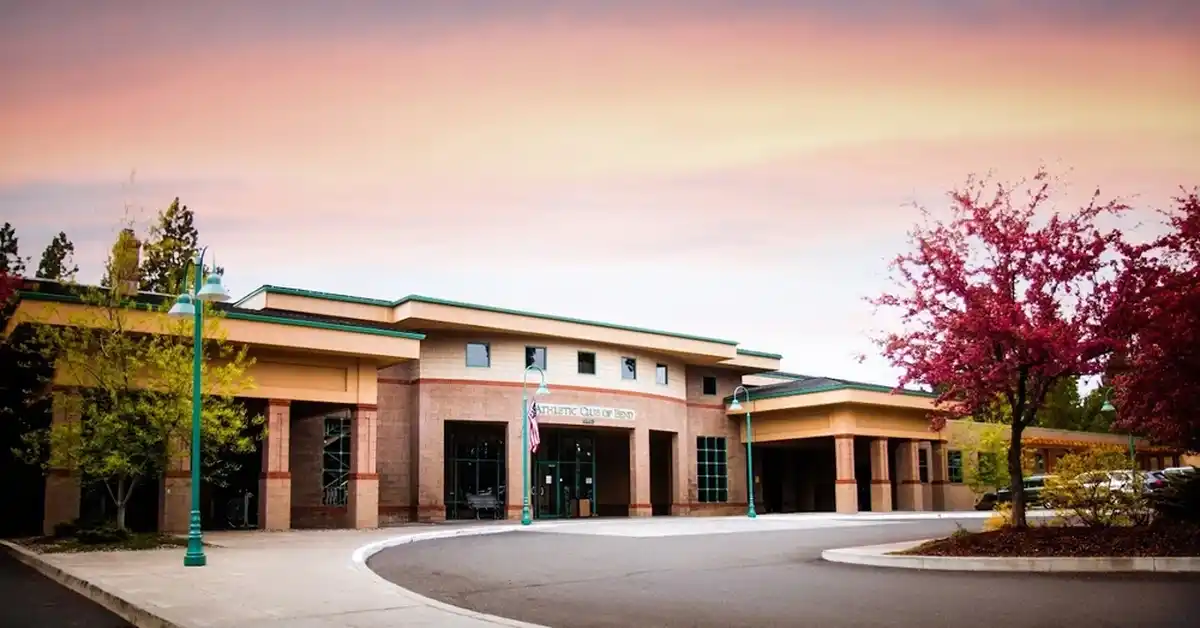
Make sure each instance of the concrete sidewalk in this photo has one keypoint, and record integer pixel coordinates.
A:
(307, 579)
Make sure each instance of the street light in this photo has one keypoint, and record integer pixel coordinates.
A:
(526, 516)
(1109, 408)
(191, 305)
(735, 406)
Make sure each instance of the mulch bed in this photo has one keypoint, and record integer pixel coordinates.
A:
(55, 545)
(1047, 541)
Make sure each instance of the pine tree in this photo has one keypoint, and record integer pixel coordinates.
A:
(58, 259)
(169, 251)
(11, 263)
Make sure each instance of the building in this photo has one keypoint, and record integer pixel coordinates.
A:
(380, 412)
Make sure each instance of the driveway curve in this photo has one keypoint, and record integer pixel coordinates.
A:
(593, 575)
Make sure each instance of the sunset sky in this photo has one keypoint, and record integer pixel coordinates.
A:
(739, 169)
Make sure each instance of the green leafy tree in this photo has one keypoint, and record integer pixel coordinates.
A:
(133, 366)
(170, 251)
(984, 459)
(58, 260)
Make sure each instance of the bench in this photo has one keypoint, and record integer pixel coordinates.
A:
(480, 502)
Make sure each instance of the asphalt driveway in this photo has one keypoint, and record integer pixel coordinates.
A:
(30, 600)
(769, 578)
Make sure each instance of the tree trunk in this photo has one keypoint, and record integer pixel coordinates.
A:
(121, 501)
(1016, 479)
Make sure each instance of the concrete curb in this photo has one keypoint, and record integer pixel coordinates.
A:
(119, 606)
(362, 554)
(882, 556)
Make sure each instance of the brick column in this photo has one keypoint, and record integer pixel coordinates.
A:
(429, 462)
(881, 484)
(909, 495)
(846, 488)
(639, 472)
(175, 490)
(680, 467)
(363, 494)
(939, 473)
(62, 480)
(513, 494)
(275, 480)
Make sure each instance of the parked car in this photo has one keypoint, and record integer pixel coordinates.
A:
(1033, 494)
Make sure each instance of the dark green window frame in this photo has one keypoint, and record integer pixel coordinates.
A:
(712, 470)
(954, 466)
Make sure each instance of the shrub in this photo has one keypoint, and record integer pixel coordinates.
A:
(66, 529)
(102, 534)
(1179, 500)
(1098, 488)
(1001, 517)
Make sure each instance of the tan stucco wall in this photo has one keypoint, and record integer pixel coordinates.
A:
(444, 357)
(858, 419)
(254, 333)
(377, 313)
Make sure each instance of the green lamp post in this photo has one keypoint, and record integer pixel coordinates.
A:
(735, 406)
(526, 515)
(191, 305)
(1109, 408)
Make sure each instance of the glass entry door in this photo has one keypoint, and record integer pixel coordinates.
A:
(548, 490)
(564, 481)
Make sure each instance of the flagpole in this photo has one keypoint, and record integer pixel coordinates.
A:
(526, 516)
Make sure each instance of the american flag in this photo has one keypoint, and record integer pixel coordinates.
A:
(535, 439)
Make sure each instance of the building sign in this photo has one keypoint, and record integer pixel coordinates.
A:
(587, 413)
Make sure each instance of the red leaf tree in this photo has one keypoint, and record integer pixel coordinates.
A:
(1157, 306)
(999, 302)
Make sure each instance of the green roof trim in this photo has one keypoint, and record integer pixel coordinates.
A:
(244, 316)
(844, 386)
(781, 375)
(760, 354)
(344, 298)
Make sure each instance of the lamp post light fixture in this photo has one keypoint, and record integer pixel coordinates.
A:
(191, 305)
(1109, 408)
(735, 406)
(526, 487)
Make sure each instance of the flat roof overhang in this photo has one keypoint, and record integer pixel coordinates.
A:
(878, 396)
(382, 346)
(421, 313)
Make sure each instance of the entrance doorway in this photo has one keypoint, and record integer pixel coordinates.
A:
(797, 476)
(661, 472)
(564, 479)
(475, 470)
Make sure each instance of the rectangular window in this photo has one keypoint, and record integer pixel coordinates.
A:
(479, 354)
(587, 363)
(628, 368)
(923, 465)
(660, 374)
(335, 461)
(708, 385)
(535, 356)
(712, 474)
(954, 466)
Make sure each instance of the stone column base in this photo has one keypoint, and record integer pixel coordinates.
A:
(910, 496)
(846, 496)
(275, 501)
(362, 508)
(62, 499)
(881, 496)
(175, 504)
(641, 510)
